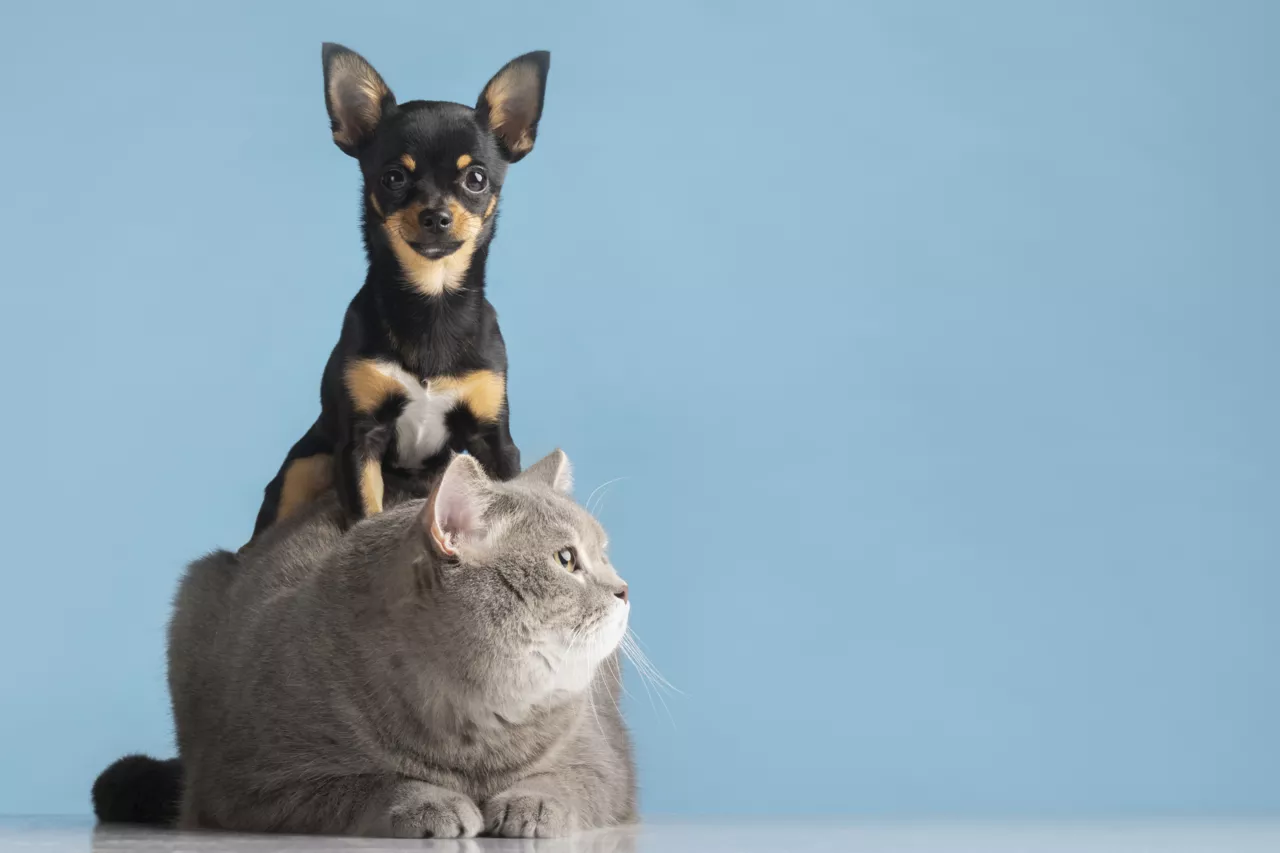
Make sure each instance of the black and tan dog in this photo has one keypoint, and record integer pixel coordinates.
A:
(420, 369)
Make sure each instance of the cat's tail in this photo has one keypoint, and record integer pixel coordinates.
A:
(139, 789)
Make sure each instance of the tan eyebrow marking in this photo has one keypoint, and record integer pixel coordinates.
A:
(464, 161)
(409, 162)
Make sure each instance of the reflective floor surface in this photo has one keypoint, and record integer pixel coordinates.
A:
(79, 835)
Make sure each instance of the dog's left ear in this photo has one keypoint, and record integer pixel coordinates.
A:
(511, 104)
(355, 95)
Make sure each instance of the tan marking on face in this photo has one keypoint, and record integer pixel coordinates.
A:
(404, 222)
(368, 386)
(464, 161)
(409, 162)
(371, 487)
(482, 391)
(466, 225)
(493, 202)
(373, 200)
(304, 480)
(358, 102)
(505, 96)
(433, 277)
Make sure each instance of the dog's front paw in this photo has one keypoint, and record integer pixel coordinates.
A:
(528, 814)
(420, 810)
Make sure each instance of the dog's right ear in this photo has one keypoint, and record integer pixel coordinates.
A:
(355, 95)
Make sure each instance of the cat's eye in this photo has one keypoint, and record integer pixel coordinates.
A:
(394, 179)
(568, 558)
(475, 180)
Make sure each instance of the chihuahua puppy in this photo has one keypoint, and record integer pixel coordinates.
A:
(419, 371)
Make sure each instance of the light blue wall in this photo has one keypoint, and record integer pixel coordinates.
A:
(938, 343)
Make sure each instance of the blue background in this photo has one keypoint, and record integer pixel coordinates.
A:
(937, 344)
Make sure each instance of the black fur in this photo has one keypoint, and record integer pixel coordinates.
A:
(435, 336)
(139, 789)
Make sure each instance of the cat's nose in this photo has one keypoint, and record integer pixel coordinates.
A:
(622, 594)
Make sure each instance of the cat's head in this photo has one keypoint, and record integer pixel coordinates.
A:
(511, 582)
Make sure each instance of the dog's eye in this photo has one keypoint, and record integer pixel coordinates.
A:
(394, 179)
(568, 558)
(475, 181)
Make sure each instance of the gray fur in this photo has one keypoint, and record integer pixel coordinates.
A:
(367, 684)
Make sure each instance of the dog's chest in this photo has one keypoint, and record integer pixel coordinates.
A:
(422, 429)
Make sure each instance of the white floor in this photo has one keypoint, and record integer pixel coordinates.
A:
(71, 835)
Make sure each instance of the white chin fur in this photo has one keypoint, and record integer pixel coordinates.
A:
(579, 660)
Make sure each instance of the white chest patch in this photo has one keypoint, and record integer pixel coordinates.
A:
(420, 430)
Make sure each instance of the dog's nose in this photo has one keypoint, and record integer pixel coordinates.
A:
(435, 221)
(622, 594)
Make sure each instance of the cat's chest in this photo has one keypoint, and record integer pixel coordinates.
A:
(423, 427)
(481, 761)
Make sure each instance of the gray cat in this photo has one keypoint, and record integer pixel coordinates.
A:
(442, 669)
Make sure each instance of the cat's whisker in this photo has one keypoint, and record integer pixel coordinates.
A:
(583, 664)
(616, 672)
(648, 674)
(573, 638)
(587, 504)
(591, 702)
(658, 677)
(641, 661)
(644, 682)
(600, 503)
(604, 684)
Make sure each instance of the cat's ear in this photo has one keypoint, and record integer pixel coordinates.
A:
(355, 95)
(553, 470)
(455, 511)
(511, 104)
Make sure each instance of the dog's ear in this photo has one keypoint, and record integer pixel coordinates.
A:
(355, 95)
(511, 104)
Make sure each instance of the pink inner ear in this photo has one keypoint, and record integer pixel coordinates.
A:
(455, 511)
(444, 542)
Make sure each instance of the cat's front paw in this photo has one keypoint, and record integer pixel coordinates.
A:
(528, 814)
(420, 810)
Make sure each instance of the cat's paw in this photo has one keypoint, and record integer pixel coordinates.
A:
(427, 811)
(528, 814)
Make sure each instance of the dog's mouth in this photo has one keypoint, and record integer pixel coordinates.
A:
(435, 251)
